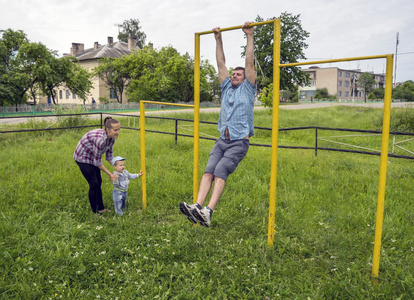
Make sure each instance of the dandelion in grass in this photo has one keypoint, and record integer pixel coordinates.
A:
(99, 227)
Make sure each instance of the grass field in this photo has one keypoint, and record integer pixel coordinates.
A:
(52, 246)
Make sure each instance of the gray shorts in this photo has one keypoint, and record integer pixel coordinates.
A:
(225, 157)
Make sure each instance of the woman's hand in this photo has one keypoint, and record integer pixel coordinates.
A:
(113, 177)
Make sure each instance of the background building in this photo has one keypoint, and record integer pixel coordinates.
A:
(339, 82)
(89, 59)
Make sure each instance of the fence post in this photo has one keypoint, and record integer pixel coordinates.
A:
(316, 141)
(176, 130)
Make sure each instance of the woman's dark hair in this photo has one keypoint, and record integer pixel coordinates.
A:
(108, 122)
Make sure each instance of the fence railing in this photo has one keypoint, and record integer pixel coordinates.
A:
(46, 108)
(317, 129)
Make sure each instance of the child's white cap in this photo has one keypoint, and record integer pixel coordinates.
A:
(116, 158)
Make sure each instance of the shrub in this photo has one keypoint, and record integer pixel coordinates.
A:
(71, 121)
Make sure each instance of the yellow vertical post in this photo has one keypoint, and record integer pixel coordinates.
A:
(196, 116)
(383, 167)
(142, 132)
(275, 131)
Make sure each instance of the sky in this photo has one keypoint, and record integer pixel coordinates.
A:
(338, 29)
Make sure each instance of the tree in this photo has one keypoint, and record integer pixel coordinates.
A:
(167, 76)
(78, 80)
(323, 94)
(404, 91)
(377, 93)
(114, 71)
(266, 95)
(10, 43)
(292, 46)
(131, 28)
(365, 82)
(29, 68)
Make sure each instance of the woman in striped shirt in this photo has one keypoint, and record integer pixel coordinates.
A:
(88, 156)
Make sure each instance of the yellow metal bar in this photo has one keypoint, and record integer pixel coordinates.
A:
(383, 167)
(142, 132)
(166, 103)
(237, 27)
(275, 131)
(196, 116)
(333, 60)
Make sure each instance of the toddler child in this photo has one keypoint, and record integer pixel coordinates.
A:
(119, 193)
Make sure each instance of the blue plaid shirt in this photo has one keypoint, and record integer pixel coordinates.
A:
(237, 109)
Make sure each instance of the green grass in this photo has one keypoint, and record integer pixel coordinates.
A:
(52, 246)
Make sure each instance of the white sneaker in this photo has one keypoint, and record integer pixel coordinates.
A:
(203, 215)
(188, 210)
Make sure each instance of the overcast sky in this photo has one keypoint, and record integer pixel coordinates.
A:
(338, 29)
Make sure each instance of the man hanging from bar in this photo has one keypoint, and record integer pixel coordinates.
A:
(235, 126)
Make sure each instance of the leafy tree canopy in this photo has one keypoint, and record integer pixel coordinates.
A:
(159, 75)
(404, 91)
(366, 82)
(27, 69)
(293, 43)
(166, 75)
(131, 28)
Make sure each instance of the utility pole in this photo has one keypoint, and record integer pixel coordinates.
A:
(396, 53)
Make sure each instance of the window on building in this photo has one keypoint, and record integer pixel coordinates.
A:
(112, 94)
(346, 94)
(60, 94)
(67, 94)
(74, 96)
(339, 94)
(339, 83)
(339, 73)
(347, 74)
(360, 94)
(346, 83)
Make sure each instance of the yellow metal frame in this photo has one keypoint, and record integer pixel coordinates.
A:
(384, 151)
(142, 137)
(275, 129)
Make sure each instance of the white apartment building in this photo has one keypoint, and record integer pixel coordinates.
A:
(340, 82)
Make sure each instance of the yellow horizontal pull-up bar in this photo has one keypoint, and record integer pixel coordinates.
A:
(334, 60)
(237, 27)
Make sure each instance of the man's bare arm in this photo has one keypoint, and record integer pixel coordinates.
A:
(223, 72)
(249, 62)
